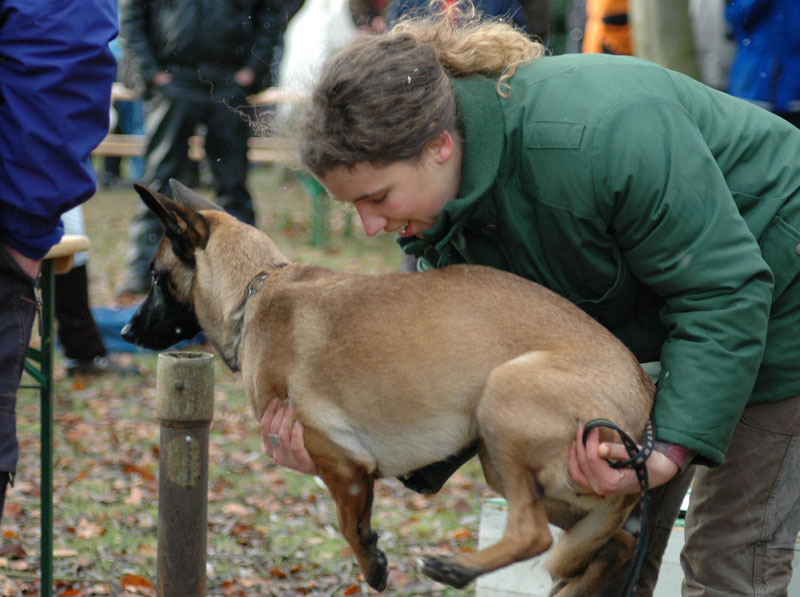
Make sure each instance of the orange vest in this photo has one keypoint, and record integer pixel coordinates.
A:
(607, 30)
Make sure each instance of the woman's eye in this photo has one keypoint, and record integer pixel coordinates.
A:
(379, 199)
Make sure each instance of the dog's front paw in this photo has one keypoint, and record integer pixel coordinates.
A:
(448, 571)
(378, 571)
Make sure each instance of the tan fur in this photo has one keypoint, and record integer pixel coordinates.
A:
(390, 373)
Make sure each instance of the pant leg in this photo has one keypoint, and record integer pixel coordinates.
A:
(226, 147)
(17, 310)
(744, 516)
(77, 330)
(169, 122)
(665, 505)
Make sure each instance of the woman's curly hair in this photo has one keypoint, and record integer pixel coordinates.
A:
(383, 98)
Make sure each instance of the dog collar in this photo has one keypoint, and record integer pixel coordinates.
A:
(255, 286)
(231, 356)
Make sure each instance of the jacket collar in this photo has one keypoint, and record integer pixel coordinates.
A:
(482, 120)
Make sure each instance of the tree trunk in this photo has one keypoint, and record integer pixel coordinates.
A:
(662, 33)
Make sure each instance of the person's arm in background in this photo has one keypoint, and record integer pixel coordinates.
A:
(56, 71)
(269, 22)
(135, 33)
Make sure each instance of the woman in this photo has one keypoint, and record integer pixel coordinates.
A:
(665, 209)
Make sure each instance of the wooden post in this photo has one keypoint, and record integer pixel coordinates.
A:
(185, 407)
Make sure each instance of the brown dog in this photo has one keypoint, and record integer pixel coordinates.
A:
(390, 373)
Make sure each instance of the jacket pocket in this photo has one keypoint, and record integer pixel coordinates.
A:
(780, 247)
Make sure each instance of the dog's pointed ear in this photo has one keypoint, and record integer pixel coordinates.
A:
(185, 228)
(186, 196)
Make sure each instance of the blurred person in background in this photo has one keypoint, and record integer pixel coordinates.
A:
(766, 67)
(198, 61)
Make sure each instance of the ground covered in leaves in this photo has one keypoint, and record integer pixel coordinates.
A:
(270, 531)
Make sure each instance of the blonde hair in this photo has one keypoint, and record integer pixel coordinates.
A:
(466, 43)
(383, 98)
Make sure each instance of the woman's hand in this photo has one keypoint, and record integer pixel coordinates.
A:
(283, 439)
(161, 78)
(588, 466)
(28, 265)
(245, 77)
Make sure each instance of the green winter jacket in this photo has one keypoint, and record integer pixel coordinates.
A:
(667, 210)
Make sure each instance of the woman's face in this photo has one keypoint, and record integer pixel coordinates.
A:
(404, 197)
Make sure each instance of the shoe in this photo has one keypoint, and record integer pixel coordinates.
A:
(98, 366)
(133, 285)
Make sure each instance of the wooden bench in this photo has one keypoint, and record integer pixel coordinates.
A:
(261, 149)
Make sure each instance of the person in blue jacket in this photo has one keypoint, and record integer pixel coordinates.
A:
(56, 71)
(766, 67)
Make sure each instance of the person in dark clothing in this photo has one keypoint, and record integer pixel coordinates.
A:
(199, 60)
(80, 338)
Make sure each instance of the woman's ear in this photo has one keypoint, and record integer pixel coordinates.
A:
(442, 146)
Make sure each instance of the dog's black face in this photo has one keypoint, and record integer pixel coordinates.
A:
(162, 320)
(167, 314)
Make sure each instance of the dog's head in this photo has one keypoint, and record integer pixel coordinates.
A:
(167, 314)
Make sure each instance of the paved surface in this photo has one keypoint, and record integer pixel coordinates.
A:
(530, 579)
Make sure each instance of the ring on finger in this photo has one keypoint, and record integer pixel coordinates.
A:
(274, 439)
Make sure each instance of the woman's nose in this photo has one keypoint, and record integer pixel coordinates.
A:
(371, 222)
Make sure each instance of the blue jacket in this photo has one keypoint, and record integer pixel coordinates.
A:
(56, 71)
(766, 68)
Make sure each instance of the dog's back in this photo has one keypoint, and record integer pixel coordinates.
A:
(384, 361)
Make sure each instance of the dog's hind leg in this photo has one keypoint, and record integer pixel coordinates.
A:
(526, 533)
(607, 560)
(351, 487)
(592, 549)
(505, 441)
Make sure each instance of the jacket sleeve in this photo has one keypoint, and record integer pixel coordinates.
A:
(668, 205)
(56, 71)
(135, 36)
(744, 14)
(270, 23)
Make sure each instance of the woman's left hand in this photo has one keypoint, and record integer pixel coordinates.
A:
(588, 466)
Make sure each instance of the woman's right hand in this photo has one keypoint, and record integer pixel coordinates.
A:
(283, 438)
(161, 78)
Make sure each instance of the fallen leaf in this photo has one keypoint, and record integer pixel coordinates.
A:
(11, 510)
(462, 535)
(236, 509)
(136, 496)
(10, 589)
(13, 549)
(141, 471)
(136, 584)
(277, 573)
(88, 530)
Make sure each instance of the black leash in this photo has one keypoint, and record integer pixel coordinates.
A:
(637, 460)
